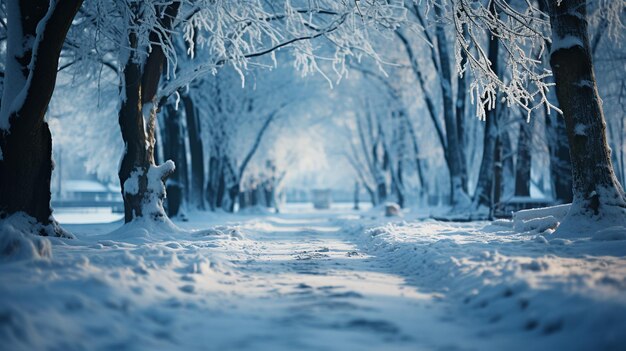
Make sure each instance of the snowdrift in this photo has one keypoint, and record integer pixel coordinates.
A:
(549, 294)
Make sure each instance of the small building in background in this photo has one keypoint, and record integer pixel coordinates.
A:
(322, 198)
(87, 193)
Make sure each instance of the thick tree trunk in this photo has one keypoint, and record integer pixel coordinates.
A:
(196, 151)
(138, 160)
(25, 140)
(598, 195)
(142, 182)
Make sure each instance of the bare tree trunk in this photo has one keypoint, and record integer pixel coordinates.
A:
(508, 164)
(558, 144)
(381, 183)
(143, 183)
(597, 193)
(232, 187)
(399, 184)
(460, 122)
(522, 166)
(175, 149)
(196, 151)
(458, 196)
(497, 185)
(25, 140)
(372, 195)
(221, 186)
(430, 105)
(484, 194)
(418, 162)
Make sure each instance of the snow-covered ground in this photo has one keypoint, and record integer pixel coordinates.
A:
(325, 280)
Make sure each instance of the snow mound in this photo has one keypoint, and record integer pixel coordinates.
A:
(558, 212)
(539, 220)
(549, 293)
(143, 229)
(536, 224)
(568, 221)
(21, 240)
(583, 221)
(220, 231)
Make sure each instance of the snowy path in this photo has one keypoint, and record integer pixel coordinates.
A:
(320, 292)
(314, 281)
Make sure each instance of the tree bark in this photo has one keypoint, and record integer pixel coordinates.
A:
(213, 183)
(26, 143)
(458, 196)
(142, 182)
(174, 149)
(506, 154)
(460, 122)
(484, 194)
(558, 146)
(196, 151)
(522, 166)
(596, 191)
(497, 185)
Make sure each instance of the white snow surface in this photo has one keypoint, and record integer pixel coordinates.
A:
(19, 239)
(326, 280)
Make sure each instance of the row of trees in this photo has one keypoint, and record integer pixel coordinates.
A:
(505, 168)
(163, 53)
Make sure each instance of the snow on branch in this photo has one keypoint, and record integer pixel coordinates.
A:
(234, 32)
(523, 32)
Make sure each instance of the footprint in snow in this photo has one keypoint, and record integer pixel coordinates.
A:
(378, 326)
(189, 289)
(346, 294)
